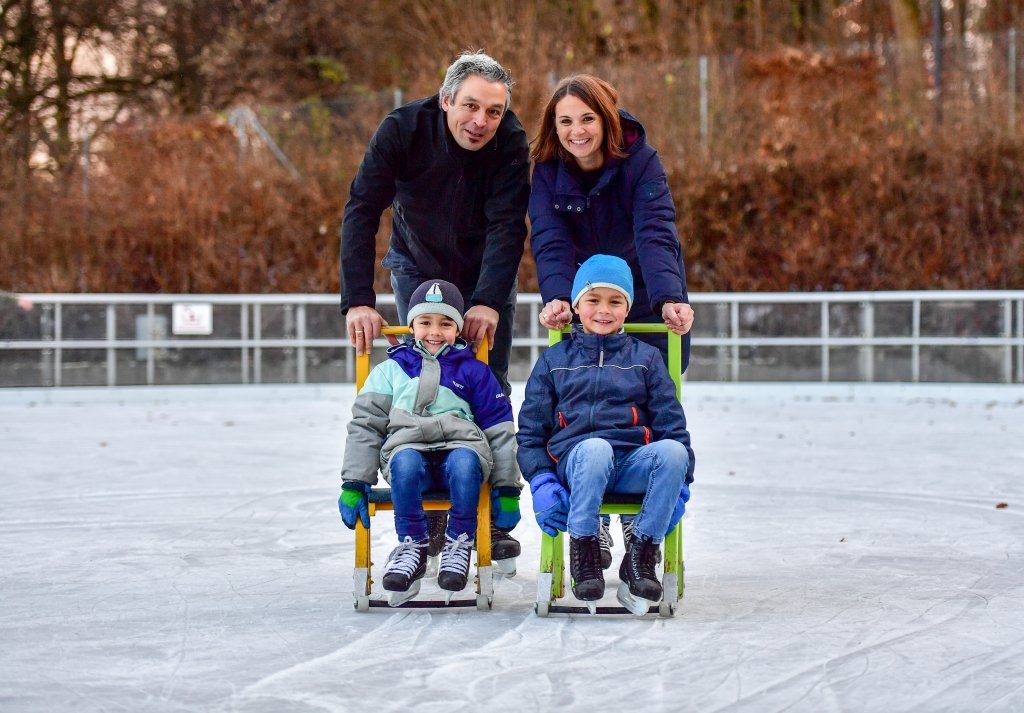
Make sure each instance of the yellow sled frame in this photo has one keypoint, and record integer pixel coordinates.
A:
(380, 499)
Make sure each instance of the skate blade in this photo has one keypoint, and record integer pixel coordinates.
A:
(397, 599)
(432, 564)
(448, 597)
(506, 567)
(592, 606)
(635, 605)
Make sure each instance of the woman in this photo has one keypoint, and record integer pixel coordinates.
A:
(598, 187)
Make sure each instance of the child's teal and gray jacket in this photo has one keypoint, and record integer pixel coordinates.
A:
(414, 400)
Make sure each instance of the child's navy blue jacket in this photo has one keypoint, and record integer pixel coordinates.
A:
(590, 386)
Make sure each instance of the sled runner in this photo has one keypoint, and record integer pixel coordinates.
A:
(380, 500)
(551, 578)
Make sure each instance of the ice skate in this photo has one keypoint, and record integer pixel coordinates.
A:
(639, 586)
(585, 569)
(437, 523)
(504, 551)
(406, 566)
(453, 572)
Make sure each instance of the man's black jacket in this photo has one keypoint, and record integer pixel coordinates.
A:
(457, 215)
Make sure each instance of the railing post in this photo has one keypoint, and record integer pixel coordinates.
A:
(58, 336)
(257, 335)
(722, 352)
(825, 329)
(46, 334)
(111, 352)
(867, 351)
(915, 346)
(289, 333)
(1008, 349)
(243, 331)
(1020, 340)
(150, 350)
(300, 333)
(734, 334)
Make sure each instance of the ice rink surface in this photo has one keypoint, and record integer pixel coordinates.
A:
(181, 550)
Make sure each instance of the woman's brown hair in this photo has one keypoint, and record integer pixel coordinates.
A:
(602, 99)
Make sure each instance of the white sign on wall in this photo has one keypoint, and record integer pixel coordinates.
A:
(192, 318)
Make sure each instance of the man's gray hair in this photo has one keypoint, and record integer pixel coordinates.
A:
(478, 63)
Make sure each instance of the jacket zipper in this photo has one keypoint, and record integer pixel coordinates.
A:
(451, 223)
(597, 381)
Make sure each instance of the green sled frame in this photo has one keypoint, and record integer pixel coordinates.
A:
(551, 578)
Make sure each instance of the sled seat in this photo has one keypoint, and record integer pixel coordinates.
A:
(551, 578)
(380, 500)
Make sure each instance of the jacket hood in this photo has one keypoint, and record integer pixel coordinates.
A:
(634, 135)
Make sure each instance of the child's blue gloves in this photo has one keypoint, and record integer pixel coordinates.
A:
(550, 503)
(505, 507)
(353, 503)
(677, 513)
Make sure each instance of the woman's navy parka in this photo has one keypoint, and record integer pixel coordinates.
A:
(629, 213)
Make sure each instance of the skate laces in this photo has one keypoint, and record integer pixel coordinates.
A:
(605, 537)
(627, 534)
(586, 557)
(405, 558)
(641, 558)
(497, 534)
(455, 555)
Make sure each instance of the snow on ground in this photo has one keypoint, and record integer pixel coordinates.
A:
(180, 550)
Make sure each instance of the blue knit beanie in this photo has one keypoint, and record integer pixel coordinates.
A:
(603, 271)
(436, 297)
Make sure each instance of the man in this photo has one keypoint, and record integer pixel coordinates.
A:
(454, 168)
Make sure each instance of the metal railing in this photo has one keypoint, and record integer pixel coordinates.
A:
(120, 339)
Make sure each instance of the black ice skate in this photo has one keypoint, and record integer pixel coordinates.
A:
(640, 586)
(504, 551)
(437, 523)
(406, 565)
(453, 572)
(585, 570)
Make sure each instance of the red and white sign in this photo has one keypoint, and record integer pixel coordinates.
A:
(194, 318)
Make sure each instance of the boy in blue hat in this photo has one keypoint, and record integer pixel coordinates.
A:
(431, 417)
(601, 415)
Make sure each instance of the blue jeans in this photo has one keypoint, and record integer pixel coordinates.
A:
(415, 472)
(404, 284)
(657, 470)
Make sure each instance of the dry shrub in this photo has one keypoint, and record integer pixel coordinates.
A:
(840, 195)
(171, 208)
(815, 180)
